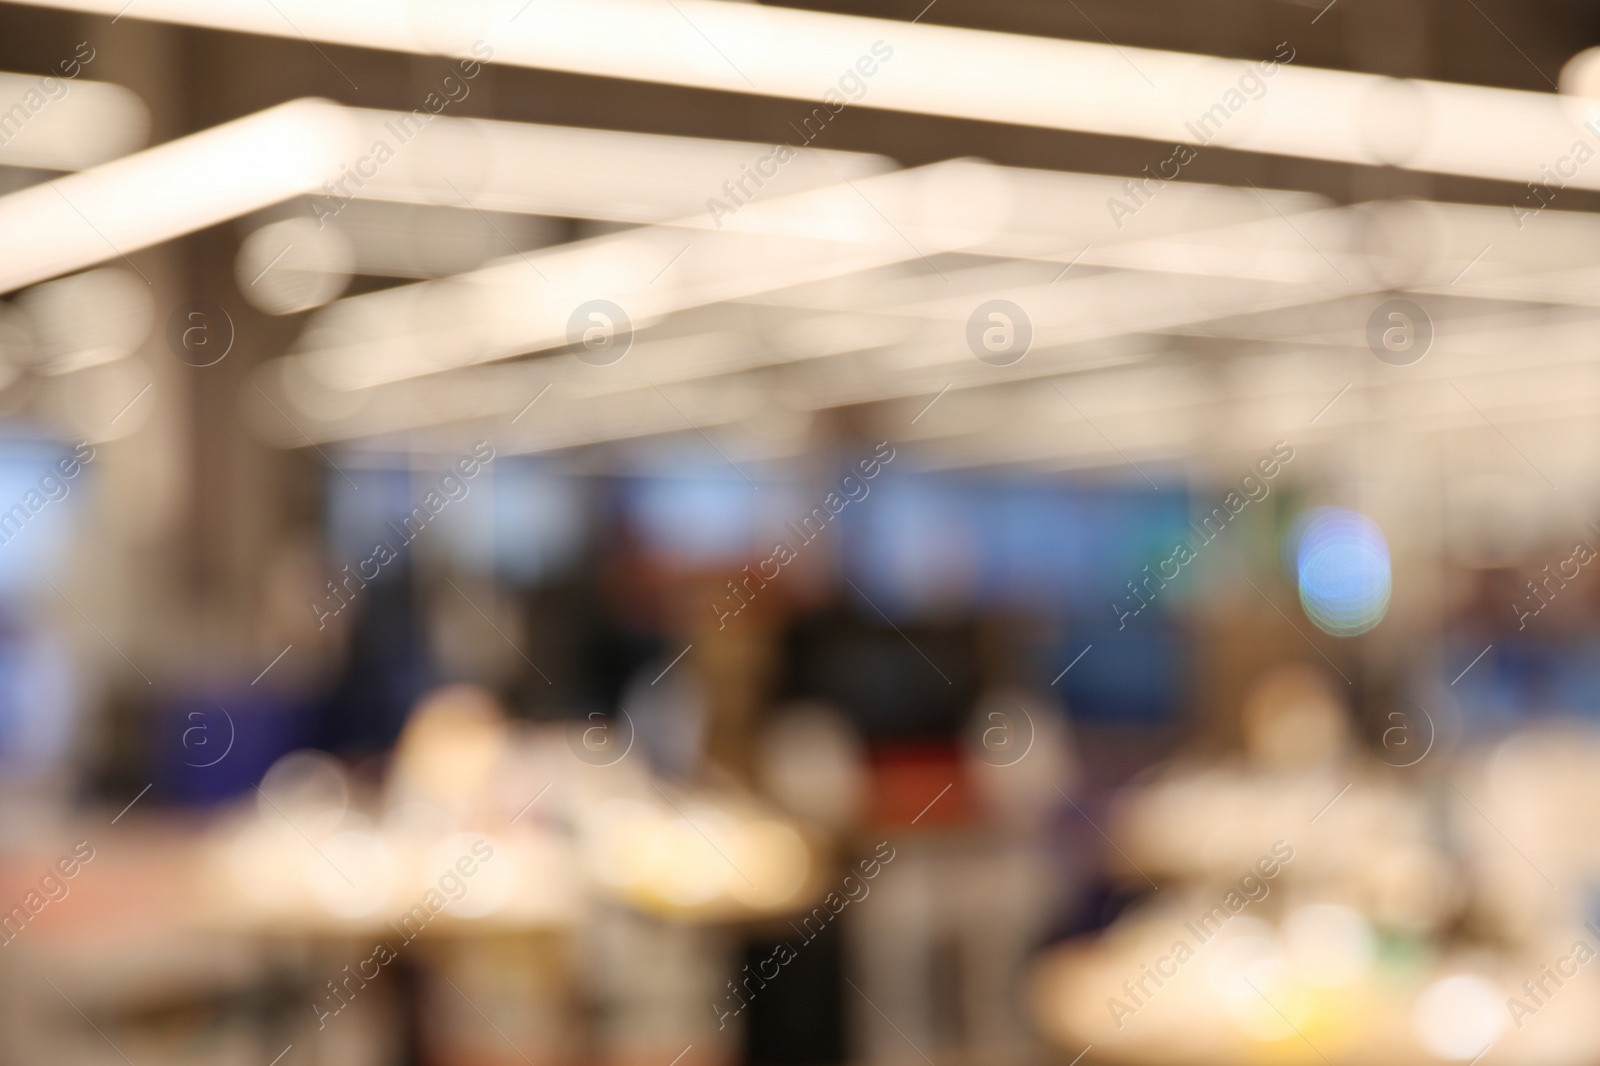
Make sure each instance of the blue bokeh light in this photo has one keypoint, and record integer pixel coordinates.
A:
(1342, 567)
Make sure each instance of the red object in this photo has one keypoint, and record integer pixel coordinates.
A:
(923, 785)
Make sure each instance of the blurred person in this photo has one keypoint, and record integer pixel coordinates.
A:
(667, 703)
(1365, 836)
(966, 903)
(475, 633)
(384, 670)
(1287, 861)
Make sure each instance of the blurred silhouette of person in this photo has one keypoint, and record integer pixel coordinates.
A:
(385, 671)
(964, 904)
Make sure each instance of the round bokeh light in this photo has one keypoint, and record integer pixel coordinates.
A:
(1458, 1017)
(1342, 567)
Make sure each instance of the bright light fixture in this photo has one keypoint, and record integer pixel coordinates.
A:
(940, 70)
(528, 302)
(114, 209)
(51, 123)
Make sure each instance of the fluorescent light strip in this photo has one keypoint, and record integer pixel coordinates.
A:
(527, 168)
(117, 208)
(939, 70)
(1072, 323)
(1095, 308)
(1447, 250)
(1282, 269)
(1000, 423)
(524, 303)
(647, 178)
(51, 123)
(622, 176)
(567, 418)
(495, 391)
(652, 178)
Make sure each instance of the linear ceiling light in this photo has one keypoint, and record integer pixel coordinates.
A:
(116, 208)
(528, 168)
(939, 70)
(51, 123)
(529, 302)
